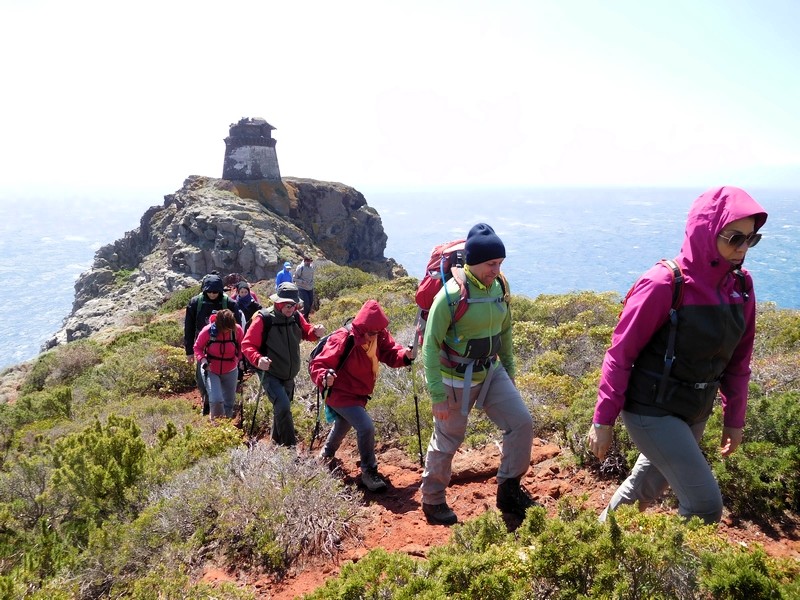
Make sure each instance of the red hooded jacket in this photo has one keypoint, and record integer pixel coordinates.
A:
(355, 381)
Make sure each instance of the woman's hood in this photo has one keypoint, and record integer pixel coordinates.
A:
(709, 215)
(369, 318)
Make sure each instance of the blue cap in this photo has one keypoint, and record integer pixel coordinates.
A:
(287, 265)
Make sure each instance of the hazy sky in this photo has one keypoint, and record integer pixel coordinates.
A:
(380, 94)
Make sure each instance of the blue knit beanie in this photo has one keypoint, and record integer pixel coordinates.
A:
(483, 244)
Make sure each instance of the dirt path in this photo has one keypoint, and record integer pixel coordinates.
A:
(395, 521)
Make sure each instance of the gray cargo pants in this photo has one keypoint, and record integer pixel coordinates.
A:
(670, 456)
(505, 408)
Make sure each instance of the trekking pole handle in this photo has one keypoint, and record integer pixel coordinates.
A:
(330, 377)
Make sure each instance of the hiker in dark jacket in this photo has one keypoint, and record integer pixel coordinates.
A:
(713, 344)
(351, 385)
(211, 298)
(272, 345)
(246, 302)
(472, 365)
(218, 352)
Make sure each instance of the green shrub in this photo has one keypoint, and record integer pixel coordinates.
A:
(52, 403)
(778, 330)
(96, 468)
(168, 333)
(179, 300)
(62, 365)
(146, 367)
(739, 576)
(258, 507)
(331, 280)
(763, 476)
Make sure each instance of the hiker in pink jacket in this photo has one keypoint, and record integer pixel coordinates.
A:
(665, 404)
(218, 350)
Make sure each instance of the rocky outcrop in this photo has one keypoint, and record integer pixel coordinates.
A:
(246, 227)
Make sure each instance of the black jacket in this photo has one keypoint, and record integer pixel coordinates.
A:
(198, 312)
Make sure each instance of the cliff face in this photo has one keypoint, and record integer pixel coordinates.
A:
(210, 224)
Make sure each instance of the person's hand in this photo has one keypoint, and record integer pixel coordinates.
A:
(731, 438)
(263, 363)
(440, 410)
(190, 359)
(330, 377)
(408, 356)
(599, 440)
(411, 351)
(204, 365)
(319, 330)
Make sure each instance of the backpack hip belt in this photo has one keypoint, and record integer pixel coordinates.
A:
(701, 385)
(489, 361)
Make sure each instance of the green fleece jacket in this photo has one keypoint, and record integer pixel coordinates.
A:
(482, 320)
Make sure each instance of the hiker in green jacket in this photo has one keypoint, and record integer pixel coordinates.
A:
(475, 353)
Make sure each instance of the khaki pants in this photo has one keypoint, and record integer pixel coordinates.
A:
(505, 408)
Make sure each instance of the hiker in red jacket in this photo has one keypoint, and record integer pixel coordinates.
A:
(665, 403)
(351, 384)
(272, 346)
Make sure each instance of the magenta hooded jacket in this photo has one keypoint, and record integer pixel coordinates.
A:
(716, 324)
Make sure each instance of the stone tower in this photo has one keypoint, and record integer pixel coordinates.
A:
(250, 151)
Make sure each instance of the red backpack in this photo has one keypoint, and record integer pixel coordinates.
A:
(446, 262)
(444, 259)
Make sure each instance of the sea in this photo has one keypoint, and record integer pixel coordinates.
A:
(557, 241)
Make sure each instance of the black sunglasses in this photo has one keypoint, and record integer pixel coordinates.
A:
(737, 239)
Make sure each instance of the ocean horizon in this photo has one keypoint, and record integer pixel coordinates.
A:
(557, 241)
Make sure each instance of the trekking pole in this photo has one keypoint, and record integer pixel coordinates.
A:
(316, 426)
(255, 410)
(416, 410)
(320, 394)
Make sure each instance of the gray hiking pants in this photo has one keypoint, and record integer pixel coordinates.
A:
(505, 408)
(670, 456)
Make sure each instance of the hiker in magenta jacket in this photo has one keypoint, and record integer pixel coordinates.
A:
(351, 385)
(713, 346)
(218, 352)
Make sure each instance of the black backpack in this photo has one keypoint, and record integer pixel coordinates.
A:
(678, 280)
(226, 303)
(348, 325)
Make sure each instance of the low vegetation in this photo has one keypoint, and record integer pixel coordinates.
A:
(111, 487)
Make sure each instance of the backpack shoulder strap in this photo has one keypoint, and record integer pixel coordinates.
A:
(460, 306)
(198, 311)
(677, 301)
(266, 317)
(742, 284)
(348, 347)
(677, 281)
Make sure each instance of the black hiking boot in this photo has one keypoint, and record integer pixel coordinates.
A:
(373, 481)
(440, 514)
(513, 499)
